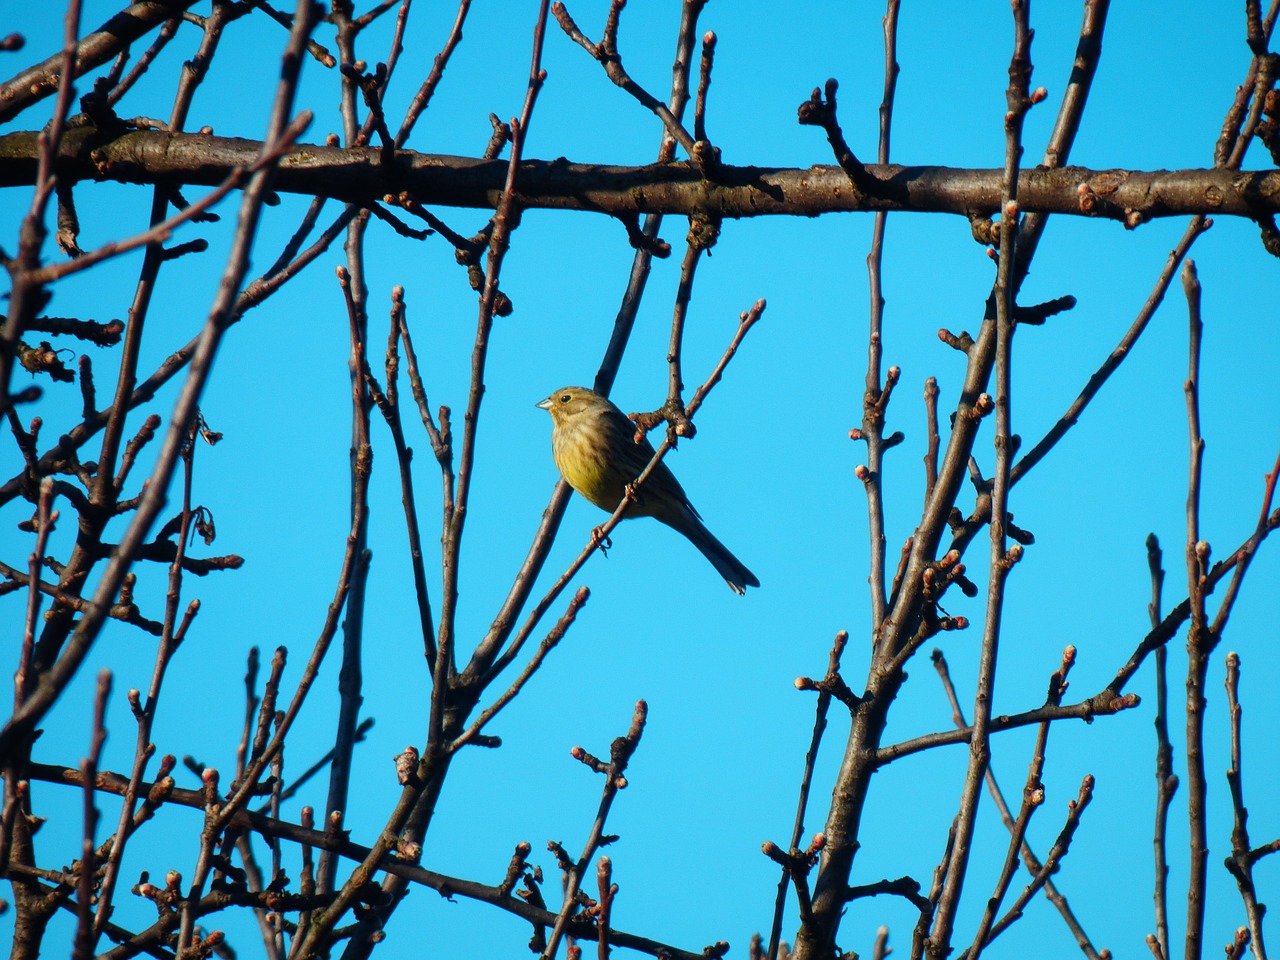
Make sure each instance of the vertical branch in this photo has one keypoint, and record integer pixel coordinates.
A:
(607, 890)
(355, 296)
(1019, 101)
(686, 39)
(505, 219)
(920, 934)
(145, 713)
(806, 778)
(1240, 863)
(1199, 642)
(704, 83)
(1166, 780)
(702, 236)
(46, 519)
(1033, 863)
(428, 88)
(84, 938)
(931, 425)
(391, 412)
(350, 675)
(14, 798)
(1032, 798)
(876, 395)
(26, 294)
(620, 753)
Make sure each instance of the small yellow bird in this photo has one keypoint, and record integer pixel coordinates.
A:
(594, 447)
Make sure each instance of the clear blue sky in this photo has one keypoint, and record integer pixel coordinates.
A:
(771, 470)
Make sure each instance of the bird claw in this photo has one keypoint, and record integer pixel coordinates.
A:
(600, 540)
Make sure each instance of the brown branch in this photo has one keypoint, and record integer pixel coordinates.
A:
(816, 112)
(389, 405)
(931, 452)
(1200, 641)
(84, 940)
(1019, 100)
(876, 394)
(606, 52)
(101, 334)
(1100, 705)
(1240, 862)
(353, 174)
(620, 753)
(549, 643)
(1032, 862)
(351, 281)
(1059, 850)
(806, 779)
(701, 238)
(1233, 588)
(117, 88)
(124, 612)
(1166, 781)
(38, 82)
(428, 88)
(443, 884)
(1072, 415)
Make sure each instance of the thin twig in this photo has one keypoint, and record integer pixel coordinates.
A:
(620, 753)
(1019, 101)
(548, 644)
(606, 52)
(1200, 641)
(1241, 861)
(428, 88)
(876, 394)
(806, 779)
(1033, 864)
(84, 936)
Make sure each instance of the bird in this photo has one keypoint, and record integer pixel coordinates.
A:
(596, 452)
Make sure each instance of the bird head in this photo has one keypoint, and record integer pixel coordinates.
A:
(568, 402)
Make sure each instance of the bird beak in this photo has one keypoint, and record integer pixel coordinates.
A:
(544, 404)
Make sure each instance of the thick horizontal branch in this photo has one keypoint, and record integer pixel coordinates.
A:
(358, 175)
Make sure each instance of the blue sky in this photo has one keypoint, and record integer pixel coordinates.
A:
(771, 469)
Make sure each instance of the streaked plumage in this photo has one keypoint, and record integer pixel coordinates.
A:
(594, 447)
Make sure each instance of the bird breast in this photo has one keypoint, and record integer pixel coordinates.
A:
(580, 447)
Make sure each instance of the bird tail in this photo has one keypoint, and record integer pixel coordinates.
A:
(734, 571)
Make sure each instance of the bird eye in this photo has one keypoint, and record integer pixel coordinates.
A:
(564, 398)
